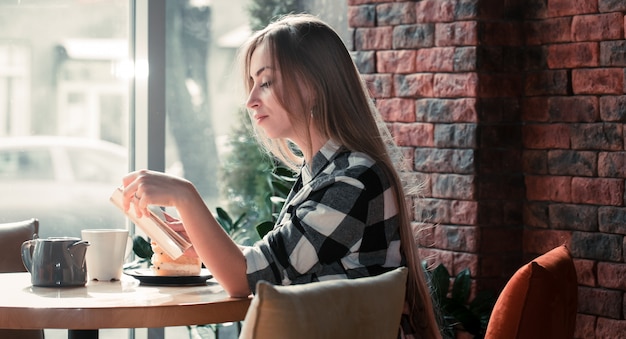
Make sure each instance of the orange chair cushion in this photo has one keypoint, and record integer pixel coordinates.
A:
(539, 301)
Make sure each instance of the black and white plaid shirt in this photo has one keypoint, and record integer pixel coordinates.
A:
(339, 221)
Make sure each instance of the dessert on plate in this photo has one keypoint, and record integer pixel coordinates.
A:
(164, 265)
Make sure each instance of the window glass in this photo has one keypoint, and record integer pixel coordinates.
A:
(26, 164)
(64, 93)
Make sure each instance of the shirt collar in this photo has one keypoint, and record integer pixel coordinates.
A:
(320, 160)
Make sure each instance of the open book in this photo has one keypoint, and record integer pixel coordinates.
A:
(154, 226)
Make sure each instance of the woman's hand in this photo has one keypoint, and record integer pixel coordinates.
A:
(145, 187)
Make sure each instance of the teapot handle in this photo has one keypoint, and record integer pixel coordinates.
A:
(27, 254)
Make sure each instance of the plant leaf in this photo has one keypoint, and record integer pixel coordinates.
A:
(440, 279)
(263, 228)
(142, 248)
(462, 286)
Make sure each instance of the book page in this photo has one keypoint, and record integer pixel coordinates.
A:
(154, 226)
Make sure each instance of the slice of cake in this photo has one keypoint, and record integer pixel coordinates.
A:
(164, 265)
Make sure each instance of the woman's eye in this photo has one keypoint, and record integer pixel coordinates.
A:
(266, 84)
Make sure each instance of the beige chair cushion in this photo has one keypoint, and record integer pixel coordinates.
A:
(348, 308)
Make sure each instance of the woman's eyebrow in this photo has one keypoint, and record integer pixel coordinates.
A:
(261, 70)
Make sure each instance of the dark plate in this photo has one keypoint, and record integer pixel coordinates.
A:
(147, 277)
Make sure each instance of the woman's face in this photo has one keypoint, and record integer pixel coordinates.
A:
(262, 100)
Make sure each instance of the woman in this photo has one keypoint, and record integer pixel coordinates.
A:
(346, 215)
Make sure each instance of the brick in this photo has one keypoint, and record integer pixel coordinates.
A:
(598, 27)
(465, 212)
(413, 36)
(499, 161)
(611, 275)
(559, 8)
(374, 38)
(361, 2)
(555, 30)
(610, 328)
(457, 238)
(435, 11)
(446, 110)
(535, 109)
(379, 85)
(536, 214)
(501, 265)
(395, 13)
(596, 246)
(414, 85)
(546, 136)
(463, 261)
(455, 85)
(466, 9)
(573, 217)
(574, 55)
(501, 33)
(464, 33)
(554, 188)
(613, 108)
(500, 85)
(444, 160)
(612, 164)
(435, 211)
(455, 135)
(535, 162)
(574, 163)
(613, 53)
(414, 134)
(598, 136)
(437, 59)
(546, 83)
(362, 16)
(502, 135)
(502, 59)
(396, 109)
(400, 61)
(611, 6)
(500, 111)
(491, 187)
(464, 59)
(611, 219)
(540, 241)
(598, 191)
(498, 240)
(610, 307)
(575, 109)
(585, 326)
(365, 61)
(598, 81)
(453, 186)
(586, 272)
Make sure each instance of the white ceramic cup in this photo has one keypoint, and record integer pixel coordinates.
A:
(107, 251)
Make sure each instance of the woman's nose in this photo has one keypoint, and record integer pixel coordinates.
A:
(253, 101)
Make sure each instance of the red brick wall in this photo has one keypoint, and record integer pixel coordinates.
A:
(512, 112)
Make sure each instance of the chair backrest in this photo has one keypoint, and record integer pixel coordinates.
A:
(348, 308)
(539, 301)
(12, 235)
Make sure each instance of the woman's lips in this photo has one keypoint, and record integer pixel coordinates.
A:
(259, 118)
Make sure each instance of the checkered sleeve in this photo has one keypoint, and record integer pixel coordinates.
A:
(335, 227)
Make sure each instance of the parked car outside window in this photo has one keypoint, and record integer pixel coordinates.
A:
(64, 182)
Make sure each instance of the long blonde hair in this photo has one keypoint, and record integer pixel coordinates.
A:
(313, 59)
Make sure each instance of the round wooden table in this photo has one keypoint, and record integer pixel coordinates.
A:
(117, 304)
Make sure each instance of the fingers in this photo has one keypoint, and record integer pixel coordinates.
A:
(133, 194)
